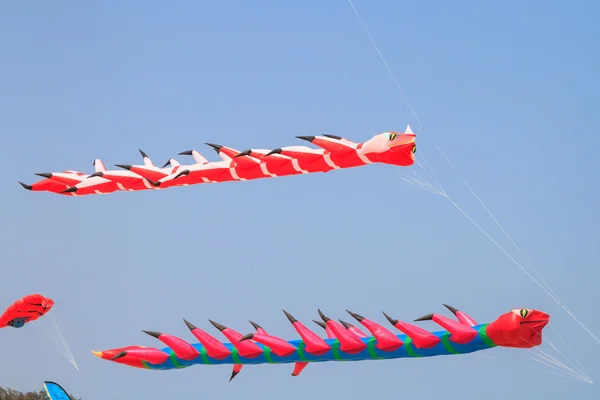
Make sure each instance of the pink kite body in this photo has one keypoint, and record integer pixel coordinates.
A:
(128, 179)
(518, 328)
(59, 182)
(334, 152)
(93, 184)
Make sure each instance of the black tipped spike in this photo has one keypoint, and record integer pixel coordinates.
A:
(186, 153)
(307, 138)
(247, 337)
(45, 175)
(121, 354)
(95, 174)
(190, 326)
(255, 325)
(233, 374)
(321, 324)
(323, 317)
(244, 153)
(392, 320)
(157, 184)
(144, 155)
(182, 173)
(26, 186)
(217, 147)
(167, 163)
(72, 189)
(217, 325)
(289, 316)
(346, 325)
(275, 151)
(452, 309)
(357, 317)
(427, 317)
(332, 136)
(124, 166)
(153, 334)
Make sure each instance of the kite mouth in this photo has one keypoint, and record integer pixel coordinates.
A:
(534, 322)
(408, 139)
(532, 330)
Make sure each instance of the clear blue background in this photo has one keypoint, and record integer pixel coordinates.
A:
(509, 91)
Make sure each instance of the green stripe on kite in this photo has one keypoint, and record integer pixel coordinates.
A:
(173, 358)
(447, 345)
(301, 354)
(371, 348)
(486, 339)
(335, 350)
(204, 356)
(409, 349)
(235, 356)
(268, 355)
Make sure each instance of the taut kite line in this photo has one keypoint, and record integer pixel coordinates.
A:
(520, 328)
(335, 152)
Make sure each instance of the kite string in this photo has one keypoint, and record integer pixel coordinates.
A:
(579, 372)
(60, 332)
(577, 367)
(549, 290)
(496, 243)
(494, 218)
(386, 64)
(565, 374)
(550, 358)
(552, 373)
(55, 335)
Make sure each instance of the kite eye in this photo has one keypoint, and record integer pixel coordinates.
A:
(414, 148)
(523, 313)
(392, 136)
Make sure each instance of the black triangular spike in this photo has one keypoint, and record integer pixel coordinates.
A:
(275, 151)
(323, 317)
(153, 334)
(427, 317)
(26, 186)
(289, 316)
(217, 325)
(392, 320)
(255, 325)
(190, 326)
(357, 317)
(452, 309)
(321, 324)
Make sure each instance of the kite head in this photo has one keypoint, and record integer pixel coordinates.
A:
(121, 356)
(393, 148)
(521, 328)
(114, 353)
(17, 322)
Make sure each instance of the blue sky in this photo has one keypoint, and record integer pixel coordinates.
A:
(509, 91)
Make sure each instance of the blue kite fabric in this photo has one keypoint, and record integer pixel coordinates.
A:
(55, 391)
